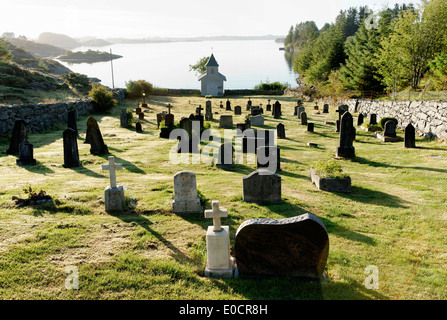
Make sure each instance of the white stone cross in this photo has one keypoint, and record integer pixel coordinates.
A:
(216, 214)
(112, 166)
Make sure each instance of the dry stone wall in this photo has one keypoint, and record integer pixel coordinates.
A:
(40, 117)
(428, 117)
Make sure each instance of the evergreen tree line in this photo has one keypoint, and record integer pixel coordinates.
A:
(362, 51)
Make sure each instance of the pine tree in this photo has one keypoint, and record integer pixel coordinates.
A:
(360, 71)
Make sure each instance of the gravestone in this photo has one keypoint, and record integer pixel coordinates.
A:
(256, 120)
(228, 105)
(373, 119)
(94, 138)
(345, 148)
(310, 127)
(326, 108)
(113, 195)
(160, 117)
(123, 118)
(218, 259)
(291, 247)
(262, 187)
(237, 110)
(71, 120)
(300, 110)
(226, 121)
(186, 199)
(208, 111)
(269, 106)
(303, 117)
(255, 110)
(341, 110)
(138, 110)
(277, 110)
(221, 105)
(169, 118)
(410, 136)
(390, 129)
(18, 136)
(265, 136)
(26, 155)
(337, 126)
(280, 131)
(189, 142)
(226, 156)
(141, 116)
(295, 112)
(249, 104)
(360, 119)
(71, 152)
(316, 107)
(265, 154)
(243, 126)
(138, 127)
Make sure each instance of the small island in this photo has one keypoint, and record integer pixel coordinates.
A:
(89, 56)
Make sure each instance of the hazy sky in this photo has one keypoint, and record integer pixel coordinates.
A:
(178, 18)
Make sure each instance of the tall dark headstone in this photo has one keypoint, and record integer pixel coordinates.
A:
(341, 110)
(326, 108)
(360, 119)
(300, 110)
(208, 111)
(249, 103)
(265, 154)
(292, 247)
(97, 145)
(410, 136)
(226, 156)
(18, 136)
(280, 131)
(228, 105)
(345, 148)
(373, 119)
(269, 106)
(71, 153)
(71, 120)
(26, 155)
(303, 117)
(277, 110)
(123, 118)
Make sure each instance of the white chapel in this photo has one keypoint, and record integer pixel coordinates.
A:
(212, 80)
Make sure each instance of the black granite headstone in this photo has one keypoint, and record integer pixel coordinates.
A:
(226, 156)
(237, 110)
(26, 155)
(71, 120)
(138, 127)
(71, 153)
(410, 136)
(280, 131)
(303, 117)
(292, 247)
(18, 136)
(345, 148)
(97, 145)
(262, 187)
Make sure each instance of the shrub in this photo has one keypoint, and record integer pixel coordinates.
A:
(102, 99)
(385, 119)
(329, 169)
(272, 86)
(78, 81)
(135, 89)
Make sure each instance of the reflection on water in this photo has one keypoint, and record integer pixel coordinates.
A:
(166, 65)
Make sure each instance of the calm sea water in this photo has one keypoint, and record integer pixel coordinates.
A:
(166, 65)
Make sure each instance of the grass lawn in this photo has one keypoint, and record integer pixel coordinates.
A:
(395, 218)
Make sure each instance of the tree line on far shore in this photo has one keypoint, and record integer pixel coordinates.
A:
(395, 49)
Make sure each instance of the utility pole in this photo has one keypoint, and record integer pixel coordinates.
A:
(111, 64)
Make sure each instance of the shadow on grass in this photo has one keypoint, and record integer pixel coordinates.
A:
(38, 168)
(146, 224)
(374, 197)
(376, 164)
(126, 164)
